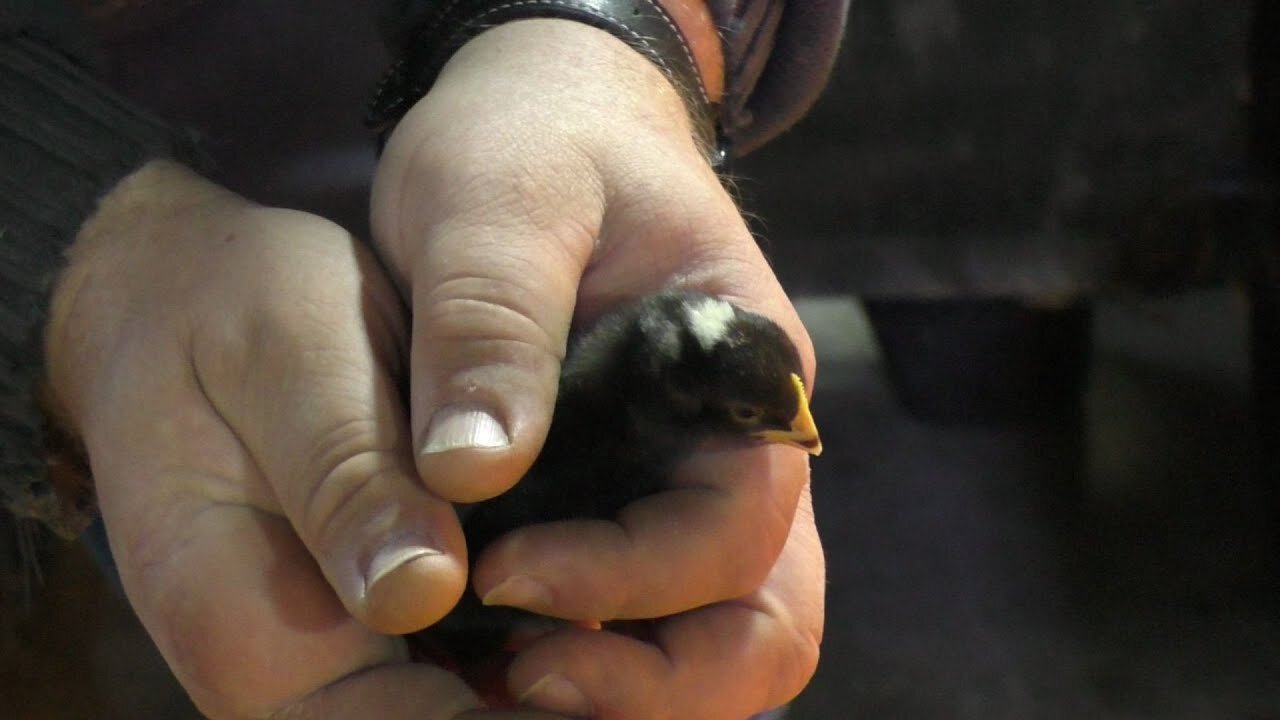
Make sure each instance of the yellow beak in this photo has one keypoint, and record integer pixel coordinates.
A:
(803, 433)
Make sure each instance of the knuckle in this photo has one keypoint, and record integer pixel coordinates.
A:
(614, 600)
(282, 327)
(342, 481)
(495, 311)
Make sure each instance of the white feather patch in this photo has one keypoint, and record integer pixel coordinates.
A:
(709, 320)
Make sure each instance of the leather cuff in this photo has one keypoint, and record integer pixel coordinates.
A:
(642, 24)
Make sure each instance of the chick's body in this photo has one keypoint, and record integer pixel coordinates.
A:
(637, 393)
(609, 442)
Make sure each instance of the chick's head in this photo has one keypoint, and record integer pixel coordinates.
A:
(721, 369)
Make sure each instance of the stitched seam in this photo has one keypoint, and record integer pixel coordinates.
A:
(684, 45)
(441, 15)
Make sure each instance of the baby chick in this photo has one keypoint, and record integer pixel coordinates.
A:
(637, 393)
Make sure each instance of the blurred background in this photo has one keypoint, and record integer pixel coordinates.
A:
(1036, 245)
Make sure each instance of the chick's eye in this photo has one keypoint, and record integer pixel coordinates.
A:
(746, 414)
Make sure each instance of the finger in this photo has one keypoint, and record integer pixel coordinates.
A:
(722, 662)
(723, 526)
(487, 226)
(488, 338)
(492, 305)
(310, 387)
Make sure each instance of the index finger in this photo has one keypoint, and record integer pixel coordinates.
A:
(714, 536)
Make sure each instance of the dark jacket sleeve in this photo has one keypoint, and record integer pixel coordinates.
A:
(778, 56)
(64, 141)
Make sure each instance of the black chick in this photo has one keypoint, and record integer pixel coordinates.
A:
(637, 393)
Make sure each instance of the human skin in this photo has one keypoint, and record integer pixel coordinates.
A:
(238, 374)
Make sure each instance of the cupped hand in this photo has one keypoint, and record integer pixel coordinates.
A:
(235, 373)
(549, 175)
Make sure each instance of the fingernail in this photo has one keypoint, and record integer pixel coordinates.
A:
(456, 427)
(519, 591)
(555, 693)
(393, 557)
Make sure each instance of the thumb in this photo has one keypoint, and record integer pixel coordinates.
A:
(308, 378)
(486, 206)
(492, 307)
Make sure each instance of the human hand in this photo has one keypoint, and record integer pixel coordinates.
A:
(235, 374)
(549, 175)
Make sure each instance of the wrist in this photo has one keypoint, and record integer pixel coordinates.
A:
(560, 66)
(679, 37)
